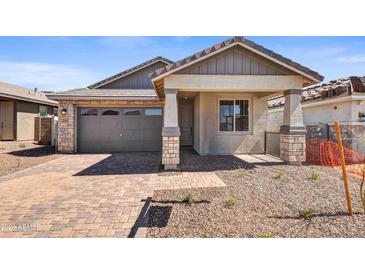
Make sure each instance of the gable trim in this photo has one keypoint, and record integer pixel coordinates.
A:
(122, 74)
(275, 60)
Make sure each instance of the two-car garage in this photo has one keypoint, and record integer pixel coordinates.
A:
(119, 129)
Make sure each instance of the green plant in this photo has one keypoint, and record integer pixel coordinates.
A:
(231, 202)
(306, 214)
(189, 199)
(314, 176)
(204, 235)
(265, 235)
(279, 175)
(22, 145)
(240, 172)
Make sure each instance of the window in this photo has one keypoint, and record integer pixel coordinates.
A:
(152, 112)
(109, 112)
(233, 115)
(89, 111)
(132, 111)
(42, 111)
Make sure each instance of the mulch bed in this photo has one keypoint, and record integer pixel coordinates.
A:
(15, 156)
(261, 201)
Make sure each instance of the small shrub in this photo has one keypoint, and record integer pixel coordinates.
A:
(240, 172)
(17, 163)
(314, 176)
(279, 175)
(204, 235)
(231, 202)
(189, 199)
(306, 214)
(22, 145)
(265, 235)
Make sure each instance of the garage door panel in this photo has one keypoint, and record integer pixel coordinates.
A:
(112, 133)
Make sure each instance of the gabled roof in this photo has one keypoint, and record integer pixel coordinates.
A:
(11, 91)
(110, 94)
(349, 85)
(130, 70)
(298, 68)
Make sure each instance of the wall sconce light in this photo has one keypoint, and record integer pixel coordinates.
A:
(64, 111)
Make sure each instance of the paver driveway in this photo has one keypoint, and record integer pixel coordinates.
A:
(100, 195)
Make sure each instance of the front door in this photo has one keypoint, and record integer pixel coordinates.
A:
(7, 120)
(186, 122)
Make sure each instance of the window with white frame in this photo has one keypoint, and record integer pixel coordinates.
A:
(233, 115)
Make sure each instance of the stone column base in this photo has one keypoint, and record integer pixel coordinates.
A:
(170, 152)
(292, 148)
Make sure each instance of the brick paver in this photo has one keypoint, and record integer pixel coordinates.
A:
(93, 195)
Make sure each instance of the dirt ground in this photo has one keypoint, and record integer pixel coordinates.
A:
(260, 200)
(18, 155)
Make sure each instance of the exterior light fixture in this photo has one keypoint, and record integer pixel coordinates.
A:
(64, 111)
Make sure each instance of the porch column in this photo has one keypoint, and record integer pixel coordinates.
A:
(170, 131)
(292, 132)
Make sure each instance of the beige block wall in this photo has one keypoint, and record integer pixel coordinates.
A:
(26, 114)
(346, 112)
(212, 141)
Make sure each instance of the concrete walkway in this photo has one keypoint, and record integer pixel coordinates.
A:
(101, 195)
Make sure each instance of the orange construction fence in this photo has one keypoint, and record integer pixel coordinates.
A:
(325, 153)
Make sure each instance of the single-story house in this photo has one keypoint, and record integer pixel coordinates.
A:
(18, 108)
(214, 101)
(341, 100)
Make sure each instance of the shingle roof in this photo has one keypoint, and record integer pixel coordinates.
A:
(228, 42)
(19, 93)
(110, 93)
(350, 85)
(130, 70)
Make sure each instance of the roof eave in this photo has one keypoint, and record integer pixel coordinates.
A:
(32, 100)
(101, 83)
(308, 76)
(119, 98)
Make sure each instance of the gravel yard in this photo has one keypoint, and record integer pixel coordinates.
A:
(15, 156)
(260, 200)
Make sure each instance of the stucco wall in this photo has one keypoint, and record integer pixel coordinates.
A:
(212, 141)
(196, 141)
(346, 112)
(26, 113)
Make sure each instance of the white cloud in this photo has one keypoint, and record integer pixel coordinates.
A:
(321, 52)
(354, 59)
(129, 42)
(181, 38)
(46, 76)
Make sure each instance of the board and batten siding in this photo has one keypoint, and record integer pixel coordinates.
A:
(135, 80)
(237, 61)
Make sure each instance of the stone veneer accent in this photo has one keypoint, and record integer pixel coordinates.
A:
(66, 137)
(170, 151)
(292, 148)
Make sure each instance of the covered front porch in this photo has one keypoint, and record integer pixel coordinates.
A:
(218, 119)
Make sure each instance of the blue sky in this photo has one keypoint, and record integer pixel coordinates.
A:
(61, 63)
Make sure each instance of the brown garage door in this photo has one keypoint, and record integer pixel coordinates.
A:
(119, 129)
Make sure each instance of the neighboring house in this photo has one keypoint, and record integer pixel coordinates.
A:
(18, 108)
(341, 100)
(214, 101)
